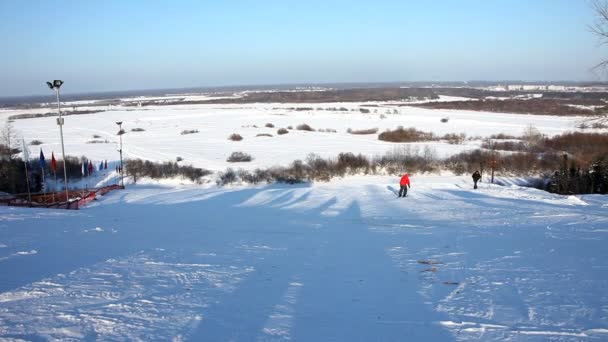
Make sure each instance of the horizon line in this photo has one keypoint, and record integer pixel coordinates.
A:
(290, 84)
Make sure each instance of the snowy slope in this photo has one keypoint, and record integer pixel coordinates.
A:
(339, 261)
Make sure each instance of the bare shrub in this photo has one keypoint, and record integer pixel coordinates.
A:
(282, 131)
(469, 161)
(363, 131)
(235, 137)
(408, 158)
(532, 136)
(189, 131)
(36, 142)
(318, 168)
(254, 177)
(264, 135)
(269, 125)
(348, 163)
(445, 120)
(405, 135)
(239, 157)
(289, 127)
(98, 141)
(295, 173)
(138, 129)
(364, 110)
(455, 139)
(178, 159)
(502, 136)
(227, 177)
(96, 136)
(524, 163)
(327, 130)
(336, 109)
(599, 125)
(304, 127)
(505, 145)
(138, 168)
(583, 146)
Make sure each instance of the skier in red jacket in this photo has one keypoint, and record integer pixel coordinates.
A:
(405, 184)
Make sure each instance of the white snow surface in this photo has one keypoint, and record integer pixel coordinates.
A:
(339, 261)
(209, 148)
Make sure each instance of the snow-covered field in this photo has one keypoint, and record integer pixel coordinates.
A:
(338, 261)
(210, 147)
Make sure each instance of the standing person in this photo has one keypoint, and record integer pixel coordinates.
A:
(405, 184)
(476, 178)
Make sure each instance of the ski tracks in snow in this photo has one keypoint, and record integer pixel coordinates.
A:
(501, 263)
(346, 260)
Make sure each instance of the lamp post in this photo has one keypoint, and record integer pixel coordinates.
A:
(120, 133)
(55, 86)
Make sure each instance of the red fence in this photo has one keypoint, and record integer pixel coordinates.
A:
(57, 200)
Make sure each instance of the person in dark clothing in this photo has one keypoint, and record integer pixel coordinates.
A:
(404, 183)
(476, 178)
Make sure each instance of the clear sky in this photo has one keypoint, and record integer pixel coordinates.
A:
(128, 44)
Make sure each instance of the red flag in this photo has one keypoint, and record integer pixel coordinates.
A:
(90, 167)
(53, 162)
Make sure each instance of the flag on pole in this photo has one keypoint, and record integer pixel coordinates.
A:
(42, 163)
(53, 162)
(42, 160)
(26, 155)
(90, 168)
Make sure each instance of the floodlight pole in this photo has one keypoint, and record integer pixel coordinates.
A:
(55, 86)
(120, 133)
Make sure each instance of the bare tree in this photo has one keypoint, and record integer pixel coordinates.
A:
(8, 141)
(600, 26)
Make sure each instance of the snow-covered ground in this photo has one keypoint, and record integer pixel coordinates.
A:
(210, 147)
(339, 261)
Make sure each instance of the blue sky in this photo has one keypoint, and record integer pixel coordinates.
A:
(120, 45)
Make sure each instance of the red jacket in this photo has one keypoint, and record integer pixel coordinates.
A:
(405, 180)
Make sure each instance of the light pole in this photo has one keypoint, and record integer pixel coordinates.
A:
(55, 86)
(120, 133)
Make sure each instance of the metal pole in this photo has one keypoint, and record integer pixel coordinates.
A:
(60, 123)
(27, 182)
(122, 180)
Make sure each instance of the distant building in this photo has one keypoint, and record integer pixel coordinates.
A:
(527, 87)
(556, 88)
(547, 87)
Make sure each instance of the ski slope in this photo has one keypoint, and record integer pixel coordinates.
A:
(338, 261)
